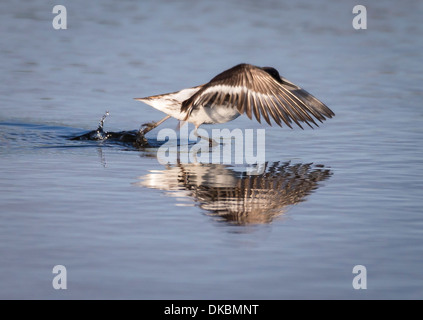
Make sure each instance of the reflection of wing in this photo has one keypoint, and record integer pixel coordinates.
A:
(237, 197)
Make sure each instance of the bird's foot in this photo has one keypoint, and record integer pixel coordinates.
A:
(147, 127)
(141, 140)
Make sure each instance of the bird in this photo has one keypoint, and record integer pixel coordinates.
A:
(243, 89)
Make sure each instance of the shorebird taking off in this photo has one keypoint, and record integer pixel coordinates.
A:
(242, 89)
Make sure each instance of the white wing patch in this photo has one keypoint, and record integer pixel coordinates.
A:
(231, 90)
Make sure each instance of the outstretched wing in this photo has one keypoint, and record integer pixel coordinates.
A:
(251, 89)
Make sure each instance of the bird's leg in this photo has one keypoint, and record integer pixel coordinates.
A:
(151, 125)
(212, 143)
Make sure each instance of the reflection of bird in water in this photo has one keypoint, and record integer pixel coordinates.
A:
(235, 196)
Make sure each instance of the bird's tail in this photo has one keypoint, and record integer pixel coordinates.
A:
(170, 103)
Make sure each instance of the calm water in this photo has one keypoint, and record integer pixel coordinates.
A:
(348, 193)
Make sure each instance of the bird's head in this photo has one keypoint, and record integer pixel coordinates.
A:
(274, 73)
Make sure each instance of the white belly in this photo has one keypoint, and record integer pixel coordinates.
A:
(215, 114)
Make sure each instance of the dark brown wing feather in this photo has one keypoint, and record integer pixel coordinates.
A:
(252, 90)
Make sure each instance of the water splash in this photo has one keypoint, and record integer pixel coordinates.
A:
(101, 123)
(136, 138)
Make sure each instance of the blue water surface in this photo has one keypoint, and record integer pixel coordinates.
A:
(125, 226)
